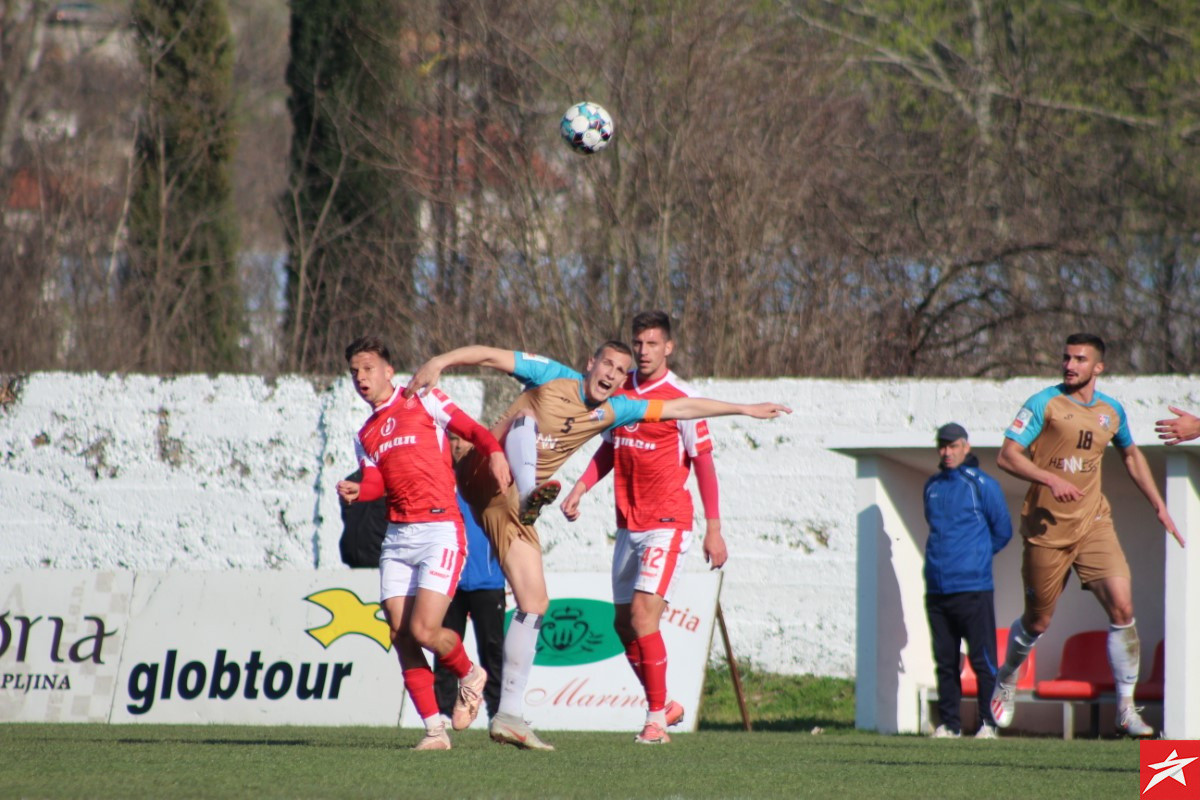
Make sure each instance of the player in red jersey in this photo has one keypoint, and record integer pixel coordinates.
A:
(403, 452)
(558, 412)
(654, 514)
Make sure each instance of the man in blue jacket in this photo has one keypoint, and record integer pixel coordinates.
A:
(968, 524)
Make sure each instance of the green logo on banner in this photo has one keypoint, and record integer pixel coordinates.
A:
(575, 631)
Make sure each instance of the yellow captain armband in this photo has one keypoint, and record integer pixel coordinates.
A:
(654, 410)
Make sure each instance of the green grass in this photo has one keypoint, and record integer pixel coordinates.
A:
(781, 758)
(777, 702)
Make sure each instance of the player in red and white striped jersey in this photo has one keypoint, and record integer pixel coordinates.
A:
(403, 450)
(652, 462)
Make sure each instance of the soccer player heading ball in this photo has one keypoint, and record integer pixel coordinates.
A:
(557, 413)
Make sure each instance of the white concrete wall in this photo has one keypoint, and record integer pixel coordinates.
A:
(198, 473)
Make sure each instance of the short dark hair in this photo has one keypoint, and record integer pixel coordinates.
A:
(1088, 339)
(648, 320)
(368, 344)
(613, 344)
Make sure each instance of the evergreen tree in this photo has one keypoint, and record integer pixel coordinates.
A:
(183, 272)
(349, 212)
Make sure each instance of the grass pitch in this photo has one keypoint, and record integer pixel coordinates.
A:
(781, 758)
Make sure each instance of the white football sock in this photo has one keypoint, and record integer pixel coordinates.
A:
(520, 646)
(1020, 644)
(1124, 656)
(520, 448)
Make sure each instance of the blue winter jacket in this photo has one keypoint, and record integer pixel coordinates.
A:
(482, 570)
(968, 524)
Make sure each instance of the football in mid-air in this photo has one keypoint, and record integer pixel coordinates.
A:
(586, 127)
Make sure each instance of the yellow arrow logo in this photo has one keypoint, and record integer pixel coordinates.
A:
(350, 615)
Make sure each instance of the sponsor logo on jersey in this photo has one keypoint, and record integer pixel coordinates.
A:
(1023, 417)
(1073, 464)
(535, 357)
(637, 444)
(389, 425)
(547, 442)
(399, 441)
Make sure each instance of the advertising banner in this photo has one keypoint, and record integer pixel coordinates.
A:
(581, 679)
(299, 648)
(270, 648)
(61, 635)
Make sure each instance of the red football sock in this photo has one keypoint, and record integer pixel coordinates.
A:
(419, 683)
(654, 670)
(633, 652)
(457, 659)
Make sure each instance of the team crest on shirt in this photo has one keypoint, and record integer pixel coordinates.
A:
(1023, 417)
(1105, 420)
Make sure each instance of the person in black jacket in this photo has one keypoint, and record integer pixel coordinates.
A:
(363, 527)
(968, 524)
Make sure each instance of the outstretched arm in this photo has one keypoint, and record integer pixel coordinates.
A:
(1184, 427)
(1139, 471)
(474, 355)
(698, 407)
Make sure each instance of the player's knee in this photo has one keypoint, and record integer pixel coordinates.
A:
(1036, 624)
(1121, 614)
(421, 634)
(644, 622)
(537, 605)
(403, 640)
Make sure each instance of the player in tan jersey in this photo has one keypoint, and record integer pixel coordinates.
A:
(1057, 443)
(1070, 444)
(559, 410)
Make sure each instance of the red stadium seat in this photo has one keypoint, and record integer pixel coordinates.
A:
(1026, 676)
(1083, 673)
(1151, 689)
(1083, 676)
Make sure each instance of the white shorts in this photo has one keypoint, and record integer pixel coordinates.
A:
(647, 561)
(425, 555)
